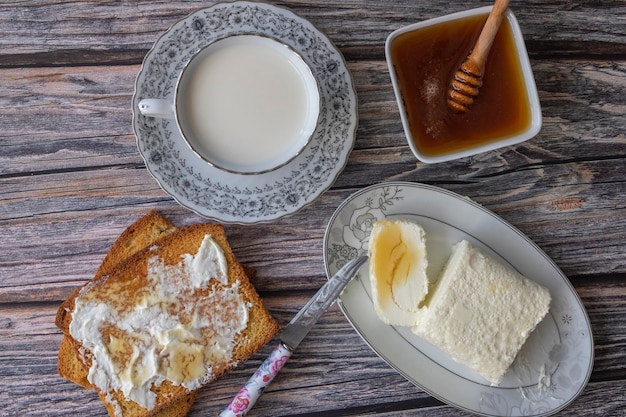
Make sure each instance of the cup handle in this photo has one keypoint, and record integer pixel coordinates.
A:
(155, 107)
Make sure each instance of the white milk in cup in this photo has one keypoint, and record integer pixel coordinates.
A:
(245, 104)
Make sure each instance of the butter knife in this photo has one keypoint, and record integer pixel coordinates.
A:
(290, 338)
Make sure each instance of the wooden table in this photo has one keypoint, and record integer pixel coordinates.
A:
(71, 180)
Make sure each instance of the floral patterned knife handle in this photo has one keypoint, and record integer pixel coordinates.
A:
(291, 337)
(247, 396)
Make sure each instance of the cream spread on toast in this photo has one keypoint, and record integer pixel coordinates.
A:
(183, 320)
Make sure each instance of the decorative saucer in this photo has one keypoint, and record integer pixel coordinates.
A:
(230, 197)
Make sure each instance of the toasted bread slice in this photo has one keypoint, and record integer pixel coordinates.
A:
(138, 236)
(261, 327)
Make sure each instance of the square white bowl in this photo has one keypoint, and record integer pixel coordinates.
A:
(531, 90)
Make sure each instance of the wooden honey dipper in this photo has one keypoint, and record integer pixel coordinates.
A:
(469, 78)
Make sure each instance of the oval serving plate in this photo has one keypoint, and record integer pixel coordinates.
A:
(554, 364)
(237, 198)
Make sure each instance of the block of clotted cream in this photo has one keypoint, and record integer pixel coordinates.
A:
(397, 269)
(481, 312)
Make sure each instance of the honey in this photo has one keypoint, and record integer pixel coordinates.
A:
(425, 61)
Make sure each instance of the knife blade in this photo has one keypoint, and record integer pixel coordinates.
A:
(308, 315)
(291, 336)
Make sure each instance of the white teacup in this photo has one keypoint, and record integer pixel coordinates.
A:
(245, 104)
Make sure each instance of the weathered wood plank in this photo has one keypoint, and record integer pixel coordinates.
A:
(333, 368)
(568, 187)
(64, 119)
(53, 234)
(71, 180)
(58, 227)
(56, 32)
(47, 113)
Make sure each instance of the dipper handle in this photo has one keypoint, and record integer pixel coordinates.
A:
(468, 79)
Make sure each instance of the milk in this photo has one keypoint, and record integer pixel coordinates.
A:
(247, 103)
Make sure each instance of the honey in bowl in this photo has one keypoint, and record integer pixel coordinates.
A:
(425, 60)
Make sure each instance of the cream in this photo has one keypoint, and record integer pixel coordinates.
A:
(141, 338)
(481, 312)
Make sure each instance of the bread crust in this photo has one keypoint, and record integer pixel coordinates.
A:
(137, 237)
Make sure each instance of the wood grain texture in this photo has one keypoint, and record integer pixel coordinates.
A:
(71, 180)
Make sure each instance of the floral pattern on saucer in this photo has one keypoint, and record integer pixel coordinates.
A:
(238, 198)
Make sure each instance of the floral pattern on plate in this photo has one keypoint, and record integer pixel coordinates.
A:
(237, 198)
(554, 364)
